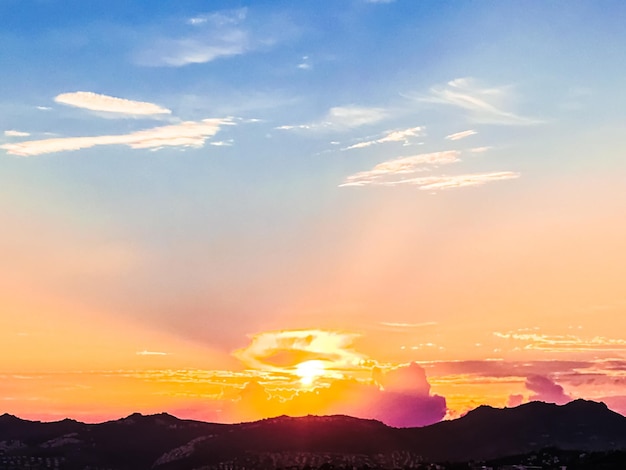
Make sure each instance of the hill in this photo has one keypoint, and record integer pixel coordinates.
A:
(164, 442)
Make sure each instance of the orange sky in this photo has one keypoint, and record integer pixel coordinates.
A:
(393, 209)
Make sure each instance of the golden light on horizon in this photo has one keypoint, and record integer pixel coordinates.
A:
(309, 371)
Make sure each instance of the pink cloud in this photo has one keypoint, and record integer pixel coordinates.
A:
(515, 400)
(399, 398)
(545, 389)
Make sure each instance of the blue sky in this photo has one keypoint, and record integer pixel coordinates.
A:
(215, 170)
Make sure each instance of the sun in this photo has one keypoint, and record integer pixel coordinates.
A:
(308, 371)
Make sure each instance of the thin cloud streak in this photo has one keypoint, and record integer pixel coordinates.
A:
(564, 343)
(185, 134)
(461, 135)
(151, 353)
(15, 133)
(460, 181)
(110, 104)
(394, 136)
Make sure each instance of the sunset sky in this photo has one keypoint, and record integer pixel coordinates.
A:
(232, 210)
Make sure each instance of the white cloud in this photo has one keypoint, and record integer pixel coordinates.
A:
(214, 36)
(343, 118)
(484, 105)
(480, 149)
(184, 134)
(14, 133)
(401, 166)
(44, 108)
(461, 135)
(305, 65)
(109, 104)
(393, 136)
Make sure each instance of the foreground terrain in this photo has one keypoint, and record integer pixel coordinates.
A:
(579, 435)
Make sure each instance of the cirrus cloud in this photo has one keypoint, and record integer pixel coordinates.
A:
(184, 134)
(109, 104)
(340, 118)
(483, 105)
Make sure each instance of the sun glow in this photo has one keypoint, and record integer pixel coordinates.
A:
(308, 371)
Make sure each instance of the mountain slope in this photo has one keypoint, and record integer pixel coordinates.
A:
(164, 442)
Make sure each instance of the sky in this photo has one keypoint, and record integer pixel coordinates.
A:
(233, 210)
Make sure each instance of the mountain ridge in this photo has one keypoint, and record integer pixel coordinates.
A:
(163, 442)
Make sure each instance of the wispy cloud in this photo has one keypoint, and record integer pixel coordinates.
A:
(480, 149)
(401, 166)
(461, 135)
(404, 171)
(184, 134)
(213, 36)
(484, 105)
(564, 343)
(459, 181)
(151, 353)
(14, 133)
(343, 118)
(403, 136)
(110, 104)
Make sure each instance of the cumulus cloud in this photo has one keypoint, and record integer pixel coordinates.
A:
(14, 133)
(483, 105)
(400, 397)
(403, 136)
(545, 389)
(184, 134)
(461, 135)
(109, 104)
(342, 118)
(215, 35)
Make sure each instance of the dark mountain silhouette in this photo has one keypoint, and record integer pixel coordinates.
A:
(167, 443)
